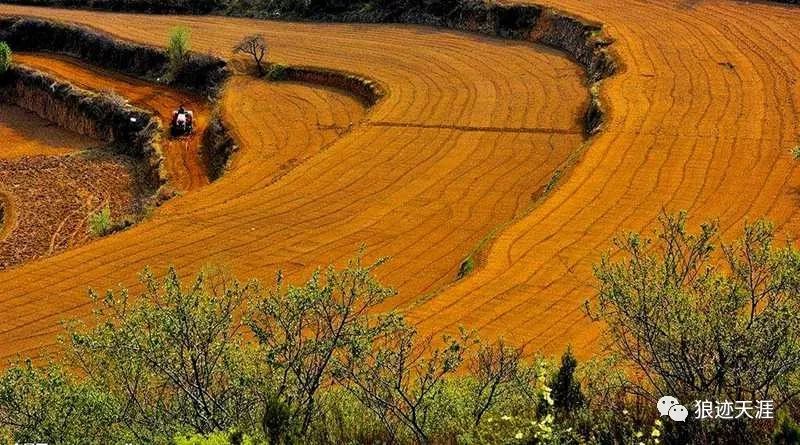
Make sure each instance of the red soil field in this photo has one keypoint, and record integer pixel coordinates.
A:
(701, 118)
(50, 183)
(412, 186)
(185, 167)
(51, 197)
(25, 134)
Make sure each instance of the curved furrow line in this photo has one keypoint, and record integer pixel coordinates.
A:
(685, 131)
(425, 196)
(548, 284)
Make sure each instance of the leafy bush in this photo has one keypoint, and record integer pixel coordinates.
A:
(178, 49)
(216, 361)
(100, 222)
(275, 72)
(700, 326)
(787, 431)
(175, 359)
(218, 438)
(307, 331)
(47, 404)
(5, 57)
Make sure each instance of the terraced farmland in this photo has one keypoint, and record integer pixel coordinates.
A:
(472, 130)
(25, 134)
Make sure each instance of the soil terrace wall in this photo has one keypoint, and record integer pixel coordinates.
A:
(218, 146)
(201, 73)
(6, 215)
(366, 90)
(2, 217)
(128, 129)
(580, 40)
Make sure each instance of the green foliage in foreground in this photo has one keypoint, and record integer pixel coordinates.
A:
(218, 361)
(218, 438)
(5, 57)
(706, 320)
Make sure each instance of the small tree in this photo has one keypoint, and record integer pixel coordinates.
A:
(400, 379)
(173, 358)
(703, 326)
(5, 57)
(256, 47)
(567, 395)
(178, 49)
(495, 368)
(303, 331)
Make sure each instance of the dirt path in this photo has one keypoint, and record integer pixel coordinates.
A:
(184, 163)
(447, 165)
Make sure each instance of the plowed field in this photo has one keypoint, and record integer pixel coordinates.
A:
(50, 199)
(185, 167)
(702, 118)
(25, 134)
(51, 180)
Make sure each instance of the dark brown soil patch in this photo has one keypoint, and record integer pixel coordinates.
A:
(54, 197)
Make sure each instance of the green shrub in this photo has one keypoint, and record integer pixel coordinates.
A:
(702, 325)
(178, 49)
(466, 268)
(48, 405)
(567, 395)
(275, 72)
(100, 222)
(787, 431)
(218, 438)
(181, 350)
(218, 362)
(5, 57)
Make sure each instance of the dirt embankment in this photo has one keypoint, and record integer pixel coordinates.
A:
(200, 73)
(366, 90)
(582, 41)
(217, 147)
(128, 130)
